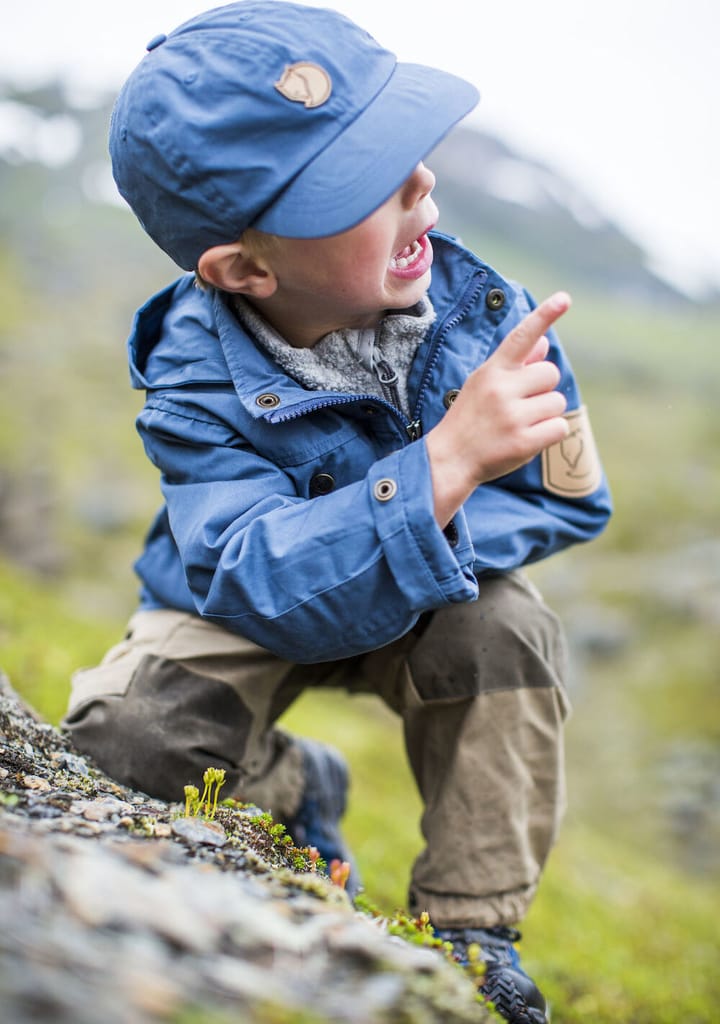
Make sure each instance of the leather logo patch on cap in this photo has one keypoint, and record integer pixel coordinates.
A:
(306, 83)
(571, 468)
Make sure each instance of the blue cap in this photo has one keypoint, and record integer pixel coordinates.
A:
(264, 113)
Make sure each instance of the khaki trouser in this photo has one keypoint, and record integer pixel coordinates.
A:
(479, 689)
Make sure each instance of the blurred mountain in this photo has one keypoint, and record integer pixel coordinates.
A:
(527, 215)
(61, 218)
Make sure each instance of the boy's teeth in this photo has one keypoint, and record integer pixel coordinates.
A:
(406, 256)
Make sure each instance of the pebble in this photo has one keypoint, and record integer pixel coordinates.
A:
(103, 808)
(195, 830)
(36, 782)
(73, 764)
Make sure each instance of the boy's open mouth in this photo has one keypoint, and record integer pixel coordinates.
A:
(406, 256)
(414, 260)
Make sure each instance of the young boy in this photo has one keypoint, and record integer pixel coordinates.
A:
(356, 455)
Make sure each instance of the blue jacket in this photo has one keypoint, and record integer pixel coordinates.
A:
(273, 524)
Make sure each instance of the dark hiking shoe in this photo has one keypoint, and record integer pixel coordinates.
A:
(516, 996)
(317, 820)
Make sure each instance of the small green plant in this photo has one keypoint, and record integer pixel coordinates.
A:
(302, 857)
(143, 826)
(195, 805)
(417, 930)
(192, 801)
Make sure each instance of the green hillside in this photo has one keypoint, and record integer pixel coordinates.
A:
(625, 928)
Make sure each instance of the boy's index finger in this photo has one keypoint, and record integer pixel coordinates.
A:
(514, 349)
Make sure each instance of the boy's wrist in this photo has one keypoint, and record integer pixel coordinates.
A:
(452, 484)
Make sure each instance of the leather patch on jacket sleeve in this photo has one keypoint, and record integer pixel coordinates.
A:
(571, 468)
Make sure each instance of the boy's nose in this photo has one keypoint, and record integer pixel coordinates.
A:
(420, 184)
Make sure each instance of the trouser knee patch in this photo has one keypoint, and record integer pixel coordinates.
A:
(170, 726)
(509, 640)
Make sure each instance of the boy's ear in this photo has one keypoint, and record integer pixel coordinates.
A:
(232, 268)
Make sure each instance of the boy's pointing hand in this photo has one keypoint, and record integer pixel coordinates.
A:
(504, 415)
(526, 342)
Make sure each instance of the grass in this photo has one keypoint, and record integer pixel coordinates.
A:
(42, 641)
(616, 936)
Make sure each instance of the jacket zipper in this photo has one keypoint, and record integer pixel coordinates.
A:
(414, 428)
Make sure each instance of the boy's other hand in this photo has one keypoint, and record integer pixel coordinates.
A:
(505, 414)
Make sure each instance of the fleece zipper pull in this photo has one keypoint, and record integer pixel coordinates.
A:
(370, 359)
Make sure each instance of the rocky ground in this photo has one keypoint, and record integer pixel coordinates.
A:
(119, 908)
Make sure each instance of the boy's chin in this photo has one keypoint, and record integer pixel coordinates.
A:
(410, 292)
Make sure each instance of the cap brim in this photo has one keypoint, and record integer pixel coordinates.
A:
(373, 156)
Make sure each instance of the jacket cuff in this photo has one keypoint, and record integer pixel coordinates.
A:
(432, 567)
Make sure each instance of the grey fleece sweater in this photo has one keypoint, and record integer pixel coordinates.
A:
(350, 360)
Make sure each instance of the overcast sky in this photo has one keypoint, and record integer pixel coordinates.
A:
(623, 96)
